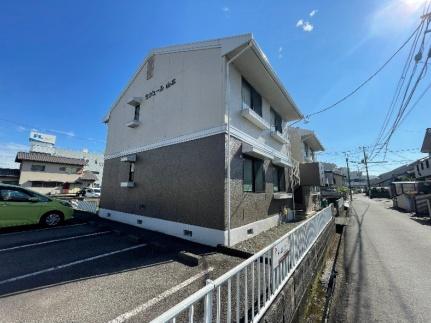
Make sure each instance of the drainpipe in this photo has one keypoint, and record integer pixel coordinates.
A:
(227, 99)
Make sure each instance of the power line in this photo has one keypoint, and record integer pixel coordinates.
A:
(384, 136)
(364, 82)
(399, 87)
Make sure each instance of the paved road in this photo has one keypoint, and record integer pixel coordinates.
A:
(387, 265)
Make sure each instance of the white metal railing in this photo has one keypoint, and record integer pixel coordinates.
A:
(245, 292)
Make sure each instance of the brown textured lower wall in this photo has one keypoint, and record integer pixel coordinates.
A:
(289, 300)
(248, 207)
(182, 183)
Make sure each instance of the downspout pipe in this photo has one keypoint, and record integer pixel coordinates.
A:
(227, 109)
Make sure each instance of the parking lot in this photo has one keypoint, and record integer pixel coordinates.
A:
(97, 271)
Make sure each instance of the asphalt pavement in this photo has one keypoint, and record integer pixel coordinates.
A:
(385, 272)
(99, 272)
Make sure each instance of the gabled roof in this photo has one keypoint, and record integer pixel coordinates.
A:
(310, 138)
(426, 145)
(229, 47)
(87, 176)
(47, 158)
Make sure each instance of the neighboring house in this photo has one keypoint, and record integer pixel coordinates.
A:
(197, 144)
(426, 144)
(358, 179)
(44, 143)
(423, 166)
(9, 176)
(45, 173)
(93, 162)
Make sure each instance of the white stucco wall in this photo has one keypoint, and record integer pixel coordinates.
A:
(193, 104)
(239, 122)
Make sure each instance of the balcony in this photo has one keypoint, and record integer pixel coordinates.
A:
(278, 137)
(254, 118)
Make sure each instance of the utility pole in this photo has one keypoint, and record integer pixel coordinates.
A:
(348, 177)
(366, 168)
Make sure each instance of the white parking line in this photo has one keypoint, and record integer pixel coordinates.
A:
(124, 317)
(73, 263)
(55, 240)
(27, 231)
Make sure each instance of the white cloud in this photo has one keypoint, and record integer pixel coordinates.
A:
(280, 52)
(313, 12)
(8, 153)
(226, 11)
(306, 26)
(61, 132)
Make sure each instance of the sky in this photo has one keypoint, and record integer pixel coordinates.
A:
(63, 64)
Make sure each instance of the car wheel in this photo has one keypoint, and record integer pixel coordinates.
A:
(51, 219)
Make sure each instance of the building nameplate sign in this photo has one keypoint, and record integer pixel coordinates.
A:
(160, 89)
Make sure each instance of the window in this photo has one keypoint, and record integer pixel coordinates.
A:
(45, 184)
(137, 111)
(62, 169)
(131, 172)
(150, 67)
(11, 195)
(278, 179)
(306, 150)
(276, 121)
(422, 166)
(37, 168)
(253, 175)
(427, 163)
(250, 98)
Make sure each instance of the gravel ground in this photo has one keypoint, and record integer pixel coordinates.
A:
(263, 239)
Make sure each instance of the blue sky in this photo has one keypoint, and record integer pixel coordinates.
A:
(63, 63)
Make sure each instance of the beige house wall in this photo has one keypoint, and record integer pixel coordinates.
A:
(52, 173)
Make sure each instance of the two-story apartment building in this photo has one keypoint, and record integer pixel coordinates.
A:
(304, 146)
(197, 144)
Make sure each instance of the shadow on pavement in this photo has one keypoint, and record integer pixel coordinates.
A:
(160, 249)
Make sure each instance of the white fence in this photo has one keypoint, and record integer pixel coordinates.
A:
(88, 206)
(244, 293)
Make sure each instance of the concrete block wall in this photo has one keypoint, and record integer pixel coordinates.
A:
(286, 306)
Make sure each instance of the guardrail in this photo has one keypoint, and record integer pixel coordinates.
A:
(244, 293)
